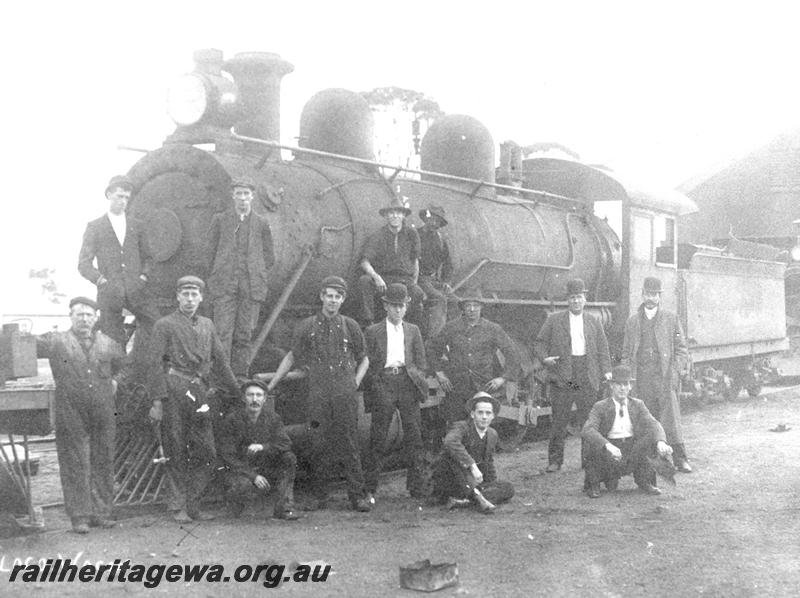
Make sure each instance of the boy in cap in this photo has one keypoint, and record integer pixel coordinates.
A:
(331, 347)
(391, 254)
(189, 350)
(397, 371)
(573, 347)
(435, 269)
(655, 349)
(83, 361)
(620, 435)
(254, 446)
(117, 243)
(466, 474)
(242, 253)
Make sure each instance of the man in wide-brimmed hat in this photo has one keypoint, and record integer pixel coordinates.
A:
(620, 435)
(397, 374)
(463, 355)
(573, 347)
(435, 269)
(254, 446)
(240, 240)
(391, 254)
(466, 475)
(655, 349)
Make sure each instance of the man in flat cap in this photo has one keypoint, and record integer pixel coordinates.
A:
(189, 351)
(331, 348)
(391, 254)
(435, 269)
(84, 362)
(655, 349)
(620, 435)
(242, 252)
(464, 356)
(466, 474)
(114, 257)
(254, 446)
(573, 347)
(397, 369)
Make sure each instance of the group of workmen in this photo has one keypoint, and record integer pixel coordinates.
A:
(406, 270)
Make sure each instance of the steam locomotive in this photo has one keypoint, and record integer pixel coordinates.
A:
(518, 231)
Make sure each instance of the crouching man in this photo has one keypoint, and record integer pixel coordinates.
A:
(620, 434)
(254, 446)
(466, 474)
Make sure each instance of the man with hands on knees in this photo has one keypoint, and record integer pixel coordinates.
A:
(620, 434)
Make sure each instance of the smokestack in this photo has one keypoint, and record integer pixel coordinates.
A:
(258, 76)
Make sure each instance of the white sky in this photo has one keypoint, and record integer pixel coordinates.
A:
(662, 91)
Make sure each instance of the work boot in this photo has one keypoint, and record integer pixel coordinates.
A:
(360, 505)
(484, 505)
(80, 525)
(101, 522)
(458, 503)
(680, 460)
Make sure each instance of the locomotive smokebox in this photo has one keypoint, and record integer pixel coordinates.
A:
(458, 145)
(338, 121)
(258, 76)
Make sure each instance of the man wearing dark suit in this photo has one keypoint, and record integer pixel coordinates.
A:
(254, 446)
(241, 242)
(397, 372)
(620, 435)
(655, 350)
(573, 348)
(466, 474)
(117, 242)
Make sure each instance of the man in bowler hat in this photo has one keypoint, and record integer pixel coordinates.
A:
(620, 435)
(397, 368)
(573, 347)
(655, 349)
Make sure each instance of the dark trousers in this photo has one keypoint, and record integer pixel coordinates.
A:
(436, 303)
(453, 480)
(85, 430)
(579, 390)
(600, 466)
(395, 392)
(278, 468)
(333, 435)
(453, 406)
(188, 442)
(235, 317)
(369, 293)
(113, 297)
(661, 398)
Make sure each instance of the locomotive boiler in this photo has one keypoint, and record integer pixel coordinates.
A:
(517, 232)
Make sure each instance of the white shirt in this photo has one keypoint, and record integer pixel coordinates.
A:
(623, 427)
(576, 334)
(395, 345)
(118, 223)
(650, 313)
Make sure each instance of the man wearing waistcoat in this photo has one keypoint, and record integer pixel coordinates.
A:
(655, 349)
(573, 348)
(241, 242)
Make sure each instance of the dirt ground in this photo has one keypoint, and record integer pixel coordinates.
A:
(732, 528)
